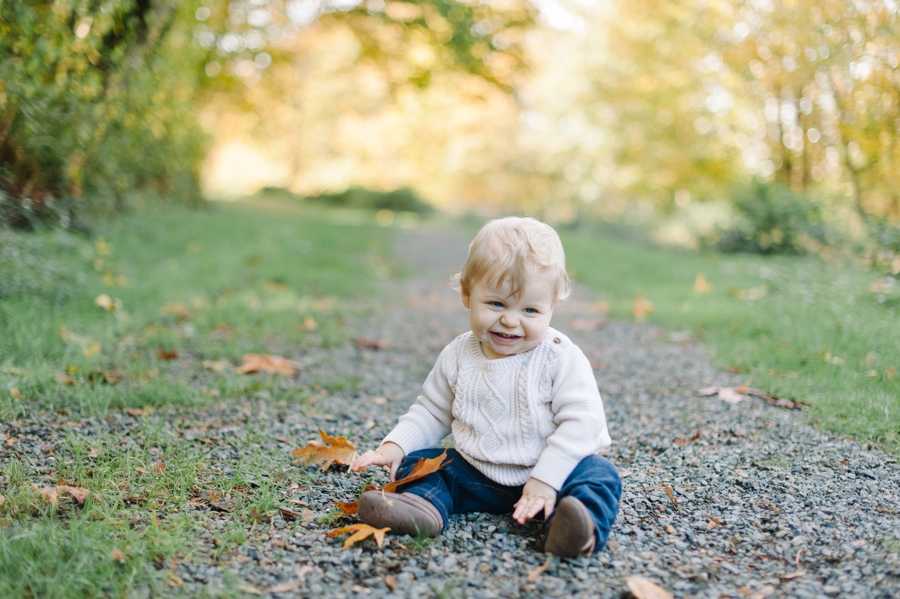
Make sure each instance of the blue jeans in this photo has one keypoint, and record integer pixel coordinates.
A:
(459, 488)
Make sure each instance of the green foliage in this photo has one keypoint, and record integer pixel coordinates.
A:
(398, 200)
(40, 266)
(96, 100)
(776, 220)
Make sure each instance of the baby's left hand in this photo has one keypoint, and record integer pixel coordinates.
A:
(535, 497)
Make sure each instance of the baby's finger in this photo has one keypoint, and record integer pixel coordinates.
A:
(549, 505)
(394, 467)
(536, 506)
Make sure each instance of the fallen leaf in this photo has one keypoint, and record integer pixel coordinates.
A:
(671, 495)
(167, 355)
(712, 524)
(763, 592)
(93, 452)
(175, 581)
(181, 313)
(335, 449)
(793, 575)
(304, 571)
(107, 303)
(642, 588)
(267, 363)
(363, 343)
(217, 365)
(139, 411)
(284, 587)
(11, 441)
(390, 582)
(64, 378)
(309, 324)
(641, 307)
(297, 502)
(347, 508)
(51, 494)
(750, 294)
(16, 393)
(289, 514)
(701, 285)
(117, 555)
(112, 377)
(422, 468)
(360, 532)
(729, 394)
(535, 573)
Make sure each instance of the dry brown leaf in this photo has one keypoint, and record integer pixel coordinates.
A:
(139, 411)
(118, 555)
(158, 467)
(297, 502)
(167, 355)
(390, 582)
(267, 363)
(671, 495)
(51, 494)
(17, 394)
(112, 377)
(64, 378)
(712, 524)
(334, 450)
(701, 285)
(216, 365)
(363, 343)
(360, 532)
(175, 581)
(284, 587)
(93, 452)
(793, 575)
(11, 441)
(422, 468)
(642, 588)
(535, 573)
(641, 307)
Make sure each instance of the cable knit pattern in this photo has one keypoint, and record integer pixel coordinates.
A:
(535, 414)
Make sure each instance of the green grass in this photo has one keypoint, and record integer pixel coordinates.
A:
(815, 330)
(212, 283)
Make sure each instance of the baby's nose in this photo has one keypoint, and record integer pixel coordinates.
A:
(509, 320)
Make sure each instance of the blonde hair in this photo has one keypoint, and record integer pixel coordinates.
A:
(514, 248)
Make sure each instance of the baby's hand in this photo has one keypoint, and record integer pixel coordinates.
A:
(535, 496)
(388, 455)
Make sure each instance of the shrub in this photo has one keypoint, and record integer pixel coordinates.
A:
(773, 219)
(398, 200)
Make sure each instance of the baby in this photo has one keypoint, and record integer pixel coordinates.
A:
(520, 400)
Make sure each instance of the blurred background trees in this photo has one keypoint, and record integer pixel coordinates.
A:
(707, 120)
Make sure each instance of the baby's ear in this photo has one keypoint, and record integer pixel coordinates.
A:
(465, 299)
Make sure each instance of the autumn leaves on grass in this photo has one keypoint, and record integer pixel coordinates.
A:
(337, 450)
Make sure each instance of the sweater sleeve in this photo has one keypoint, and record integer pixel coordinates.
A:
(428, 420)
(578, 415)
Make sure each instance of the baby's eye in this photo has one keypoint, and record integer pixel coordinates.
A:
(530, 311)
(497, 304)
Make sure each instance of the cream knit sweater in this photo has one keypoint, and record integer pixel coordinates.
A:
(535, 414)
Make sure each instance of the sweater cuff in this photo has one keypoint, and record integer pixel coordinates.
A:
(553, 468)
(407, 436)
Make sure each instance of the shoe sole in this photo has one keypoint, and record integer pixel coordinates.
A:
(404, 516)
(571, 531)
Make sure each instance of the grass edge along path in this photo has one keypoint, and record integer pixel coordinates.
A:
(797, 327)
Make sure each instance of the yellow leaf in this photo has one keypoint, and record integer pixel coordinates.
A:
(335, 449)
(360, 532)
(267, 363)
(701, 285)
(91, 349)
(642, 588)
(103, 248)
(641, 307)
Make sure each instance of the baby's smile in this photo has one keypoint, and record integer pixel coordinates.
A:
(505, 336)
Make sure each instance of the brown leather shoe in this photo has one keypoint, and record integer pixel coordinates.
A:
(404, 513)
(571, 531)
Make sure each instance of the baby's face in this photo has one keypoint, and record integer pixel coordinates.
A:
(506, 325)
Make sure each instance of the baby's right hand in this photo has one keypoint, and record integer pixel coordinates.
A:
(388, 455)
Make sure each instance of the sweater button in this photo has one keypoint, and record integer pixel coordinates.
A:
(557, 340)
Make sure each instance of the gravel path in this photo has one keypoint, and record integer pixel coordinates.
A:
(767, 506)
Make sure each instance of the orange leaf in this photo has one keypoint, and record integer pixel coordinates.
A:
(168, 356)
(117, 555)
(641, 307)
(348, 509)
(360, 532)
(701, 285)
(267, 363)
(422, 468)
(642, 588)
(335, 449)
(671, 495)
(534, 574)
